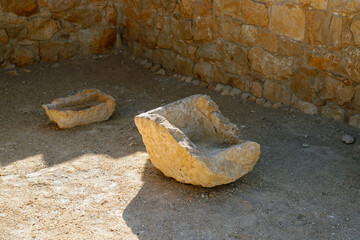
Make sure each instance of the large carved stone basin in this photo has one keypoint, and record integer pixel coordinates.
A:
(88, 106)
(192, 142)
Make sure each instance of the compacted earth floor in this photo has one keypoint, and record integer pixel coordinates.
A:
(97, 182)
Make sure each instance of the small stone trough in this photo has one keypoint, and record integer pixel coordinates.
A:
(192, 142)
(88, 106)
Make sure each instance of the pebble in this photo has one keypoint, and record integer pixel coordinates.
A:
(260, 101)
(277, 105)
(235, 91)
(196, 82)
(27, 70)
(147, 66)
(304, 145)
(55, 65)
(218, 87)
(348, 139)
(226, 90)
(188, 79)
(161, 72)
(13, 73)
(245, 96)
(268, 104)
(156, 68)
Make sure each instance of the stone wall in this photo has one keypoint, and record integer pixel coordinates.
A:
(304, 53)
(52, 30)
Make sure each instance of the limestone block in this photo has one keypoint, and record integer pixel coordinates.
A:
(86, 107)
(7, 19)
(254, 13)
(4, 39)
(191, 141)
(202, 29)
(53, 51)
(22, 57)
(204, 71)
(42, 28)
(355, 29)
(325, 60)
(331, 110)
(276, 92)
(227, 7)
(352, 63)
(289, 20)
(324, 28)
(183, 66)
(62, 5)
(97, 40)
(306, 107)
(271, 67)
(85, 16)
(344, 6)
(355, 121)
(20, 7)
(356, 100)
(182, 29)
(227, 28)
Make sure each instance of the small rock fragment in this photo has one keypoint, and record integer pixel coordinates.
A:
(304, 145)
(155, 68)
(27, 70)
(226, 90)
(245, 96)
(55, 65)
(219, 87)
(147, 66)
(161, 72)
(260, 101)
(235, 91)
(267, 104)
(348, 139)
(7, 65)
(13, 73)
(196, 82)
(277, 105)
(211, 86)
(188, 79)
(355, 121)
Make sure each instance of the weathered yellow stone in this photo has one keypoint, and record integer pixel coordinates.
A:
(325, 60)
(183, 66)
(269, 66)
(324, 28)
(254, 13)
(85, 16)
(344, 6)
(227, 28)
(86, 107)
(289, 20)
(4, 39)
(276, 92)
(202, 29)
(227, 7)
(204, 71)
(42, 28)
(355, 29)
(268, 41)
(289, 47)
(22, 56)
(351, 61)
(20, 7)
(256, 89)
(191, 141)
(249, 35)
(331, 110)
(306, 107)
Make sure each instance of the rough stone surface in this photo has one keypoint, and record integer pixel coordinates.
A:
(191, 141)
(333, 111)
(20, 7)
(355, 121)
(42, 28)
(306, 107)
(22, 57)
(86, 107)
(289, 20)
(269, 66)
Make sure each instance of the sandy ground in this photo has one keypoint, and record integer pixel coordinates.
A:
(96, 181)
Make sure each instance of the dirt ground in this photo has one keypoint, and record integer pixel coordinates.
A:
(96, 181)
